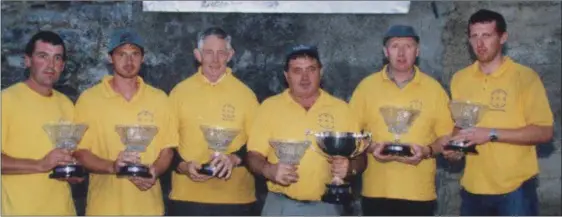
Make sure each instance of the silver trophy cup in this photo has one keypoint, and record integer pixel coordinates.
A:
(398, 120)
(66, 135)
(218, 139)
(466, 115)
(344, 144)
(136, 138)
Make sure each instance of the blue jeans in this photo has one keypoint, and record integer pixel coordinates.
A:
(521, 202)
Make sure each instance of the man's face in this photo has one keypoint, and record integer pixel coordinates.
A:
(213, 56)
(45, 63)
(401, 52)
(127, 60)
(485, 41)
(303, 76)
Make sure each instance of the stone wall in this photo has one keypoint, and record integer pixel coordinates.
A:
(350, 47)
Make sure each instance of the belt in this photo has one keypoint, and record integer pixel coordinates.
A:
(293, 199)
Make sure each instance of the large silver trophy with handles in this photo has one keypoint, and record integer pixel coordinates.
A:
(218, 139)
(289, 151)
(343, 144)
(136, 138)
(466, 115)
(66, 135)
(398, 120)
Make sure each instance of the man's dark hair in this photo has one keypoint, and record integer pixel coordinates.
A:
(47, 37)
(487, 16)
(302, 54)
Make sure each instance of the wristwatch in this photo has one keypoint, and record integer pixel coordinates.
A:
(493, 135)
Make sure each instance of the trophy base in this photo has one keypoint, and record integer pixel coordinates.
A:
(67, 171)
(135, 170)
(337, 194)
(397, 150)
(455, 146)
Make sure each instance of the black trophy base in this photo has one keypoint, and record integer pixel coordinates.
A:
(397, 150)
(67, 171)
(337, 194)
(134, 170)
(206, 169)
(461, 148)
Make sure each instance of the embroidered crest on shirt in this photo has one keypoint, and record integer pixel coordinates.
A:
(326, 121)
(145, 116)
(228, 112)
(498, 99)
(416, 104)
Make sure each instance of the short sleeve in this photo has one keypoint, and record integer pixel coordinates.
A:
(258, 139)
(444, 123)
(536, 107)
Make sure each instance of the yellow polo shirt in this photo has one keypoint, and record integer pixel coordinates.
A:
(517, 98)
(394, 179)
(280, 117)
(102, 109)
(227, 103)
(24, 112)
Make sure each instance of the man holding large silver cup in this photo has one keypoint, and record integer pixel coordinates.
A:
(215, 111)
(407, 113)
(128, 145)
(31, 109)
(502, 178)
(280, 143)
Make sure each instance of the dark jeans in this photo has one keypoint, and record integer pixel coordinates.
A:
(521, 202)
(185, 208)
(396, 207)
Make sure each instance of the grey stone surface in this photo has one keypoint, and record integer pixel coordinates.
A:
(350, 47)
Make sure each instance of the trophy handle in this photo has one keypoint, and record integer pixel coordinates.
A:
(318, 150)
(363, 145)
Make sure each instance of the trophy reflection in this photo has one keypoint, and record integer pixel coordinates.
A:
(398, 120)
(466, 115)
(344, 144)
(136, 138)
(218, 139)
(66, 135)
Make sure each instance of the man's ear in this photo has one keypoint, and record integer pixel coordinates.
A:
(197, 54)
(503, 38)
(27, 61)
(230, 55)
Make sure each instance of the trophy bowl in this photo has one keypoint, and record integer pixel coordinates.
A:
(136, 138)
(466, 115)
(66, 135)
(289, 151)
(398, 120)
(344, 144)
(218, 139)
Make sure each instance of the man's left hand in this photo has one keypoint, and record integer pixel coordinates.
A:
(144, 184)
(224, 164)
(416, 158)
(475, 135)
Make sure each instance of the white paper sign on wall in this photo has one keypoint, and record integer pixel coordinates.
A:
(314, 7)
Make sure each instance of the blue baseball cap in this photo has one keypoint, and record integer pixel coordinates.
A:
(124, 36)
(302, 49)
(400, 31)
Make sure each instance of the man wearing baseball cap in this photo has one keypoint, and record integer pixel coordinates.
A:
(124, 99)
(396, 185)
(297, 190)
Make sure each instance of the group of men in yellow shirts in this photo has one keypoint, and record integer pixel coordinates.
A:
(500, 180)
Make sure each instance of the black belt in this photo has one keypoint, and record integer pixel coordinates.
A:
(293, 199)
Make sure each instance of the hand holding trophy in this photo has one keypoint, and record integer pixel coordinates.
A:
(340, 144)
(289, 153)
(466, 115)
(398, 120)
(136, 138)
(218, 139)
(66, 135)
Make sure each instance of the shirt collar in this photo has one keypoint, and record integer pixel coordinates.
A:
(109, 92)
(322, 98)
(506, 63)
(416, 79)
(226, 75)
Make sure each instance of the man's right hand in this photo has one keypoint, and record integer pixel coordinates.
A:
(191, 169)
(376, 149)
(124, 158)
(57, 156)
(282, 174)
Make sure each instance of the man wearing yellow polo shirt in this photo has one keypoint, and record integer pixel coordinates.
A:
(213, 96)
(28, 156)
(394, 185)
(297, 190)
(124, 99)
(501, 179)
